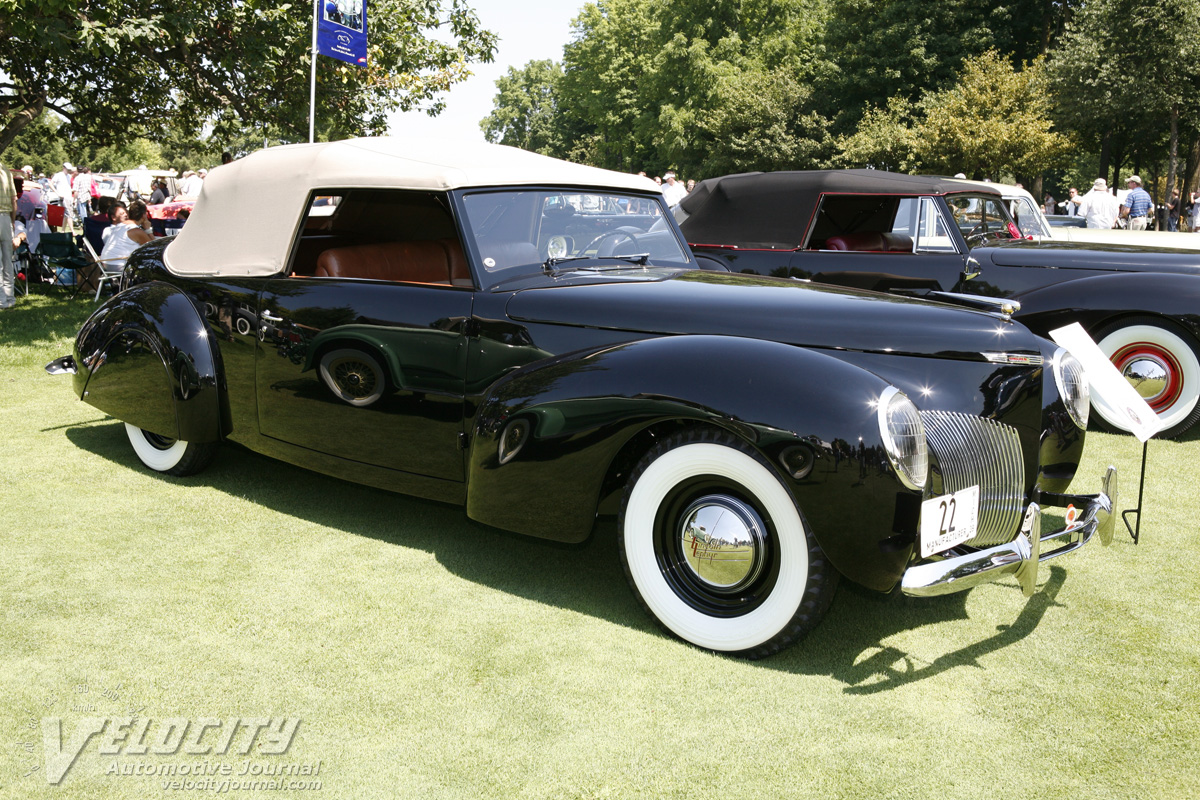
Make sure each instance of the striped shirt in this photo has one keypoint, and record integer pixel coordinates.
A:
(1138, 202)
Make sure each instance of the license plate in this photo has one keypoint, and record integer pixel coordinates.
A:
(949, 520)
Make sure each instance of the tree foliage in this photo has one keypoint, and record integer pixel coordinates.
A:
(1114, 76)
(695, 85)
(146, 66)
(994, 120)
(525, 108)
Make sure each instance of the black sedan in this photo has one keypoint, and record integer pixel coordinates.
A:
(531, 339)
(921, 235)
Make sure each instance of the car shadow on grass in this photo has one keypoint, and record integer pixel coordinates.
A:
(588, 577)
(859, 623)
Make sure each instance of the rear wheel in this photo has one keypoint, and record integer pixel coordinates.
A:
(170, 456)
(717, 551)
(1162, 362)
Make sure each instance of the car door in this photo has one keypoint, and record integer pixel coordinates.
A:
(365, 358)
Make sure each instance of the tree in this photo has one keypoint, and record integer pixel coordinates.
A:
(993, 120)
(700, 86)
(144, 66)
(1114, 82)
(886, 138)
(877, 50)
(524, 108)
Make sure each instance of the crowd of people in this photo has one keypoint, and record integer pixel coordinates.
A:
(673, 189)
(73, 199)
(1135, 210)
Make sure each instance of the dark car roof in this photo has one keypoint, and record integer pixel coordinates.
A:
(758, 208)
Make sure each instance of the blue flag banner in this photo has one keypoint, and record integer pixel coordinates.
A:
(342, 30)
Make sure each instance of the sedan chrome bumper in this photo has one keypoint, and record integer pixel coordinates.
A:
(1021, 556)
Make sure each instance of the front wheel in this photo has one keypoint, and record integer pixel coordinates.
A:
(170, 456)
(1162, 362)
(717, 551)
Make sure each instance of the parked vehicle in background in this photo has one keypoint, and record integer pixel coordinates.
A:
(926, 236)
(532, 339)
(1032, 221)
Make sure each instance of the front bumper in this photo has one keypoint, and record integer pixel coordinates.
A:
(1021, 556)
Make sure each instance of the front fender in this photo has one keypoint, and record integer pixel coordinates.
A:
(1095, 300)
(810, 415)
(147, 358)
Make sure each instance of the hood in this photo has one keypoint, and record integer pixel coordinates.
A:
(1111, 257)
(777, 309)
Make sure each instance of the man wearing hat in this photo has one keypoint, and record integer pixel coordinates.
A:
(1098, 207)
(673, 190)
(1138, 205)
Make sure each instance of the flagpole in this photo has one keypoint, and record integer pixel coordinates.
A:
(312, 87)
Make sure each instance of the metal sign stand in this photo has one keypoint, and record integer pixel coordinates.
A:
(312, 87)
(1136, 530)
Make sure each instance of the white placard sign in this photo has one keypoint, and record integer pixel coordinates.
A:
(1108, 383)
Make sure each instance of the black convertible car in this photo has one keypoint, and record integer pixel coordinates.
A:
(922, 236)
(532, 339)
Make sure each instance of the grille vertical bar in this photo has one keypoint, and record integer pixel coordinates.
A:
(972, 450)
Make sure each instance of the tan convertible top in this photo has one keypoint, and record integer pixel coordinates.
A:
(247, 213)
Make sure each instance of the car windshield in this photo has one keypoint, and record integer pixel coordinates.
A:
(534, 229)
(1029, 217)
(981, 217)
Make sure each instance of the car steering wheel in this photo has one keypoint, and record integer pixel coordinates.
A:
(614, 235)
(978, 234)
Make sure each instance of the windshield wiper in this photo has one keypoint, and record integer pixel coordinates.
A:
(633, 258)
(553, 261)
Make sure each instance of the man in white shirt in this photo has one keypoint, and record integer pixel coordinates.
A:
(673, 190)
(1098, 207)
(61, 185)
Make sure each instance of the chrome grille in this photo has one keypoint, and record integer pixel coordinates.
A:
(971, 450)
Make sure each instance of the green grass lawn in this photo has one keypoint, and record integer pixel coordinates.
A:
(431, 657)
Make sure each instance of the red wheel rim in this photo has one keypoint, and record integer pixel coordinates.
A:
(1148, 350)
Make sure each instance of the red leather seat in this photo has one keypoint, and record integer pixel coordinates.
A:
(404, 262)
(873, 241)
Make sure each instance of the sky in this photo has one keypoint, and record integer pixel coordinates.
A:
(528, 30)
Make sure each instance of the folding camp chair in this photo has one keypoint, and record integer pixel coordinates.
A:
(104, 269)
(61, 254)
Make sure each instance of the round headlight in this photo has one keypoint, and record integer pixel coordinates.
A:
(904, 437)
(1072, 385)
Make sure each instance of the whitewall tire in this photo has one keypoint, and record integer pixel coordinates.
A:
(716, 550)
(170, 456)
(1162, 362)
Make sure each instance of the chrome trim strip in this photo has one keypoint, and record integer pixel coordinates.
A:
(1020, 557)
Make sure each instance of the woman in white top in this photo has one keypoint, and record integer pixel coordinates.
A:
(125, 235)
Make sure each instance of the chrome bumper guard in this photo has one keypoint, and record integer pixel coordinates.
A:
(1021, 556)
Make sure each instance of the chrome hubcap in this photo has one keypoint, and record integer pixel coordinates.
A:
(723, 542)
(1147, 375)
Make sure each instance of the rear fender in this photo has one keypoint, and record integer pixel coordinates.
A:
(545, 437)
(147, 358)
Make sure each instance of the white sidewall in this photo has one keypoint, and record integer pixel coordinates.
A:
(151, 456)
(1188, 364)
(724, 634)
